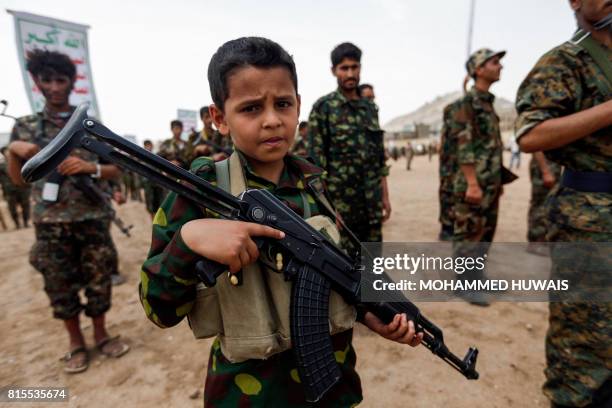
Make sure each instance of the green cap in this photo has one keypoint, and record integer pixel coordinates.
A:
(480, 57)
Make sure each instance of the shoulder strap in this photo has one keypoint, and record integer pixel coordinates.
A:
(316, 188)
(598, 53)
(223, 174)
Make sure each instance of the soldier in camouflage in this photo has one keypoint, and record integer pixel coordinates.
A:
(72, 248)
(447, 168)
(345, 139)
(175, 149)
(299, 146)
(16, 196)
(183, 232)
(209, 133)
(565, 110)
(544, 175)
(154, 194)
(477, 183)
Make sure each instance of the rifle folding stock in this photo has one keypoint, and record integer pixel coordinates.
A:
(315, 265)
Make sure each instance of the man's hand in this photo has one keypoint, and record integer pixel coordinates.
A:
(549, 179)
(386, 209)
(400, 329)
(236, 249)
(23, 150)
(219, 156)
(473, 194)
(75, 165)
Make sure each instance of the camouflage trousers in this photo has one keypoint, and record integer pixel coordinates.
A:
(447, 215)
(537, 218)
(19, 199)
(71, 257)
(474, 224)
(275, 382)
(579, 338)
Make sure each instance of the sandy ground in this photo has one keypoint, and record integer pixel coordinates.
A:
(167, 367)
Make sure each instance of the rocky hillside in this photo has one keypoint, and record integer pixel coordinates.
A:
(431, 114)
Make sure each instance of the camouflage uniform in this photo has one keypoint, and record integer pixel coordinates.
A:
(299, 146)
(448, 167)
(15, 197)
(168, 290)
(579, 339)
(345, 139)
(181, 151)
(215, 137)
(478, 142)
(73, 250)
(537, 217)
(154, 195)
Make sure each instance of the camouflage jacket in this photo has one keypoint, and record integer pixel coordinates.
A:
(215, 137)
(565, 81)
(72, 205)
(168, 282)
(345, 139)
(182, 151)
(448, 165)
(475, 127)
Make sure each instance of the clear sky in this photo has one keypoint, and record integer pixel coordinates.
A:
(150, 57)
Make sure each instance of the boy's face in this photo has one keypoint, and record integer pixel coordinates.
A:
(368, 93)
(176, 131)
(207, 120)
(261, 112)
(148, 146)
(347, 74)
(55, 88)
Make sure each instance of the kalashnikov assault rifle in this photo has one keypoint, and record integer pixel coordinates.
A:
(315, 265)
(82, 181)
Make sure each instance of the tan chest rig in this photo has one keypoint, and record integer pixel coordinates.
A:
(252, 320)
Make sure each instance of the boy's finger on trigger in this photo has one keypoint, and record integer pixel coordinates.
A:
(265, 231)
(251, 247)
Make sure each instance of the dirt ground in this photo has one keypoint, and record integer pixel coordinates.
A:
(167, 367)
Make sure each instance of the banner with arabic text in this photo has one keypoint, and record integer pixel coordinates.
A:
(34, 31)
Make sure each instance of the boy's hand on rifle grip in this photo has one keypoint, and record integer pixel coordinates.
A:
(399, 329)
(225, 241)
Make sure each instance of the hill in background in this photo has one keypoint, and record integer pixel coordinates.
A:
(430, 114)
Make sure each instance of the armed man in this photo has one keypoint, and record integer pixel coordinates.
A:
(17, 197)
(73, 249)
(565, 110)
(345, 139)
(477, 181)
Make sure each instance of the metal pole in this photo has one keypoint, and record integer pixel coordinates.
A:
(470, 27)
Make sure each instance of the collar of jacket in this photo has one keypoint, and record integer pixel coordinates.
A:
(296, 173)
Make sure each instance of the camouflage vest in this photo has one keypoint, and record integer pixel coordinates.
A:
(252, 320)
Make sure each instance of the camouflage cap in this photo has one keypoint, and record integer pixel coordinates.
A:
(480, 57)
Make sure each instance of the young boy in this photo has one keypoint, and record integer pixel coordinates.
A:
(253, 83)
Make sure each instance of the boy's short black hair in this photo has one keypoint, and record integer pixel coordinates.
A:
(345, 50)
(365, 86)
(203, 110)
(302, 125)
(147, 141)
(45, 62)
(176, 122)
(243, 52)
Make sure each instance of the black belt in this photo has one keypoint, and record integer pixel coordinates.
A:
(587, 181)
